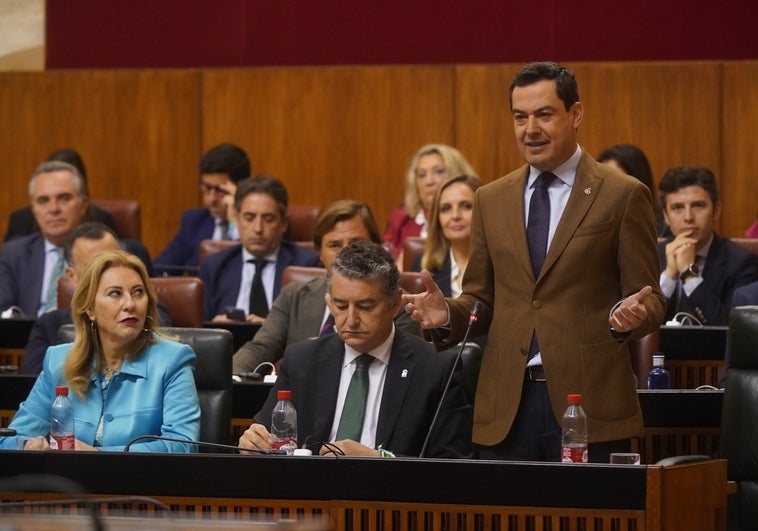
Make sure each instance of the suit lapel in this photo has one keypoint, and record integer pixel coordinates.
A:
(586, 188)
(400, 372)
(327, 371)
(283, 260)
(515, 216)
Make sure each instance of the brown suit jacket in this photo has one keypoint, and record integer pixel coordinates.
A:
(604, 249)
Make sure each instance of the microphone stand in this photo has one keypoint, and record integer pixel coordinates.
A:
(472, 318)
(272, 451)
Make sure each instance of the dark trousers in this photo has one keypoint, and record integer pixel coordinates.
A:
(536, 435)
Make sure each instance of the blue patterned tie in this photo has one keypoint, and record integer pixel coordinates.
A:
(538, 226)
(51, 296)
(328, 328)
(537, 230)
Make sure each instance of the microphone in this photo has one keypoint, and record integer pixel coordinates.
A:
(472, 318)
(7, 432)
(271, 451)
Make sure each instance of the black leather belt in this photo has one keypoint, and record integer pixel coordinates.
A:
(536, 373)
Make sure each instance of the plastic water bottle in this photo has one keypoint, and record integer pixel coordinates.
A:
(574, 436)
(62, 421)
(658, 377)
(284, 423)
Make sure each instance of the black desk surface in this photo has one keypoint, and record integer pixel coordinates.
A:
(15, 332)
(660, 408)
(345, 478)
(693, 342)
(242, 332)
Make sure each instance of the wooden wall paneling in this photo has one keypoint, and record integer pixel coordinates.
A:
(484, 127)
(739, 116)
(333, 132)
(668, 109)
(137, 131)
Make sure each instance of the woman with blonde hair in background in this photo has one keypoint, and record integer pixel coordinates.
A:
(430, 166)
(447, 245)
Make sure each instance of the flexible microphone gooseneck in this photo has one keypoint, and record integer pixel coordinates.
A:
(272, 451)
(472, 318)
(7, 432)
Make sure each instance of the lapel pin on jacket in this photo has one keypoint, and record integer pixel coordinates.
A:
(587, 191)
(404, 374)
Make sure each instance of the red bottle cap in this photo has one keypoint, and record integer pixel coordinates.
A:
(574, 400)
(61, 390)
(284, 394)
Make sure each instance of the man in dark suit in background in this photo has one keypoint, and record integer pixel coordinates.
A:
(405, 375)
(86, 242)
(300, 311)
(699, 269)
(563, 263)
(31, 265)
(221, 168)
(248, 276)
(21, 222)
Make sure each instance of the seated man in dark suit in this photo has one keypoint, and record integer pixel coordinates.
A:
(86, 242)
(699, 269)
(402, 375)
(221, 168)
(31, 265)
(21, 222)
(300, 311)
(248, 276)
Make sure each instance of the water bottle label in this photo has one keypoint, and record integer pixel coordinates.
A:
(288, 445)
(574, 454)
(64, 442)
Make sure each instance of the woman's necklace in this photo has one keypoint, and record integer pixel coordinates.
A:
(109, 374)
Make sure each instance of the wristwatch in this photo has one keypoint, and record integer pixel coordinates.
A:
(692, 271)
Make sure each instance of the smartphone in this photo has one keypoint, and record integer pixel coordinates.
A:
(235, 314)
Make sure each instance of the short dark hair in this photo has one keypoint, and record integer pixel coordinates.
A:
(262, 184)
(343, 210)
(565, 82)
(684, 176)
(632, 160)
(364, 260)
(90, 230)
(226, 158)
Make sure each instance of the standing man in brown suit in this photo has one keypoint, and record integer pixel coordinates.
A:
(558, 323)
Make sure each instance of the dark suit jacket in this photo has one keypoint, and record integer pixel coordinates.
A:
(441, 276)
(295, 315)
(727, 266)
(416, 376)
(22, 266)
(221, 273)
(746, 295)
(21, 222)
(603, 250)
(183, 250)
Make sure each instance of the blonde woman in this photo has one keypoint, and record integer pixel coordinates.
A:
(430, 166)
(124, 379)
(447, 245)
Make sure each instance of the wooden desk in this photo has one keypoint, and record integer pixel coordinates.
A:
(677, 421)
(399, 494)
(694, 355)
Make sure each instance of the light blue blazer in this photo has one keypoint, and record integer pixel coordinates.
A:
(153, 394)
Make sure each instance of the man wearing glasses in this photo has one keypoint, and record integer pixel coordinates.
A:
(221, 168)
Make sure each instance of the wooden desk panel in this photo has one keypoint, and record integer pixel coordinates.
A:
(367, 494)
